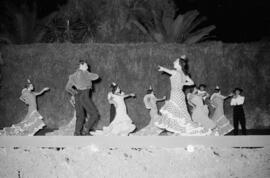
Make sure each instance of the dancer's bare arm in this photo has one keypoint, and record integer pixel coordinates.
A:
(162, 99)
(163, 69)
(42, 91)
(129, 95)
(22, 99)
(229, 96)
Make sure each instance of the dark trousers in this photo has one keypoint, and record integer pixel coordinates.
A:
(84, 105)
(239, 117)
(112, 112)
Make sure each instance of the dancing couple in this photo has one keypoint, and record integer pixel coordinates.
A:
(82, 81)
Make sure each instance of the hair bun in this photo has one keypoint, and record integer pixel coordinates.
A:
(183, 57)
(113, 84)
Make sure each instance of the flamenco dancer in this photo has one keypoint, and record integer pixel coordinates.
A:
(217, 101)
(33, 120)
(238, 111)
(175, 117)
(150, 102)
(200, 110)
(112, 107)
(202, 92)
(81, 97)
(121, 124)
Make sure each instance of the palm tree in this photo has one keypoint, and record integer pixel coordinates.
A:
(76, 21)
(162, 26)
(21, 25)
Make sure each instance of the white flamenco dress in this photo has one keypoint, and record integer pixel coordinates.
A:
(175, 117)
(122, 124)
(32, 122)
(150, 102)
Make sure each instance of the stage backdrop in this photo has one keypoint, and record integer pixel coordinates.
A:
(134, 67)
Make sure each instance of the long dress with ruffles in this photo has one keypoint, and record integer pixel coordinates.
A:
(32, 122)
(150, 102)
(200, 112)
(122, 124)
(175, 117)
(218, 117)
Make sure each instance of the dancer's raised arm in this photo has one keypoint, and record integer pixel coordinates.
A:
(42, 91)
(163, 69)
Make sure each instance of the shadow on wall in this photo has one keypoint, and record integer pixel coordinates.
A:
(134, 67)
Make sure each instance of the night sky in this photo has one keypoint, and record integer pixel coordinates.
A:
(236, 20)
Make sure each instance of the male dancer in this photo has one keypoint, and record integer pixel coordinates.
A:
(238, 111)
(82, 81)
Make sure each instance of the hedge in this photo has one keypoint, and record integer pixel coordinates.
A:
(134, 67)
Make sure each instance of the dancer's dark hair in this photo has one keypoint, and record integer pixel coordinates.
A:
(82, 62)
(238, 89)
(217, 89)
(114, 87)
(191, 88)
(184, 63)
(27, 84)
(202, 85)
(148, 91)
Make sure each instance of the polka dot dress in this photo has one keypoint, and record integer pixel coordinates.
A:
(175, 117)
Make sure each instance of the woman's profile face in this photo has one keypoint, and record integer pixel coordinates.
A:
(176, 65)
(117, 90)
(30, 87)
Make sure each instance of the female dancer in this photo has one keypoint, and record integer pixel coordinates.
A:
(200, 110)
(122, 124)
(33, 120)
(175, 117)
(217, 101)
(114, 86)
(150, 102)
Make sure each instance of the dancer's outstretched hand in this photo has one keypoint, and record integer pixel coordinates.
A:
(46, 89)
(160, 68)
(164, 97)
(132, 95)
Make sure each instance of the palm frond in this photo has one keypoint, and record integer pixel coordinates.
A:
(198, 35)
